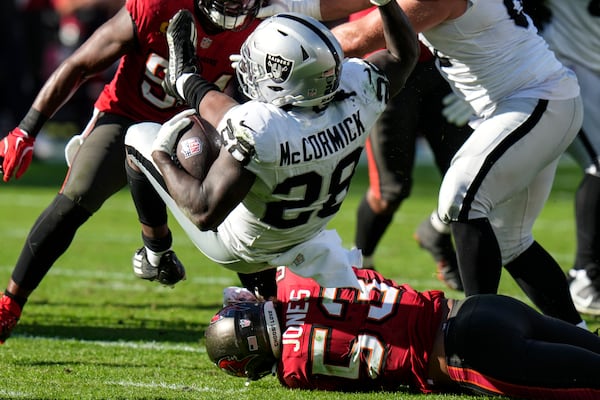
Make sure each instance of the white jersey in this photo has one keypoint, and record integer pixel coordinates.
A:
(493, 52)
(574, 33)
(303, 161)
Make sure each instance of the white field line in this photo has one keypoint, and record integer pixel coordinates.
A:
(201, 389)
(10, 394)
(195, 277)
(121, 344)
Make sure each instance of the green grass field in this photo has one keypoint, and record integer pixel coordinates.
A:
(94, 331)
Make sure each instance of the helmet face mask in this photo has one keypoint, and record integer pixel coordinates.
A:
(290, 59)
(234, 15)
(244, 339)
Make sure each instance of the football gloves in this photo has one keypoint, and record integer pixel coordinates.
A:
(16, 153)
(456, 110)
(166, 139)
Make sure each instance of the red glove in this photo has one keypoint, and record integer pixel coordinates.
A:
(16, 153)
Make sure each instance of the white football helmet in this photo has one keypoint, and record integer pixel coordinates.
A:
(232, 15)
(290, 59)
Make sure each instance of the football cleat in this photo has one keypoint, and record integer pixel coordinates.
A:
(10, 312)
(181, 38)
(168, 272)
(584, 285)
(439, 245)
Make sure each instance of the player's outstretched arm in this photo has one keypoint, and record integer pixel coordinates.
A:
(402, 46)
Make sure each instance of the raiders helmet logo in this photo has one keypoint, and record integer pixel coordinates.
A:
(279, 68)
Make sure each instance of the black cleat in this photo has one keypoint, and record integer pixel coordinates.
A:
(181, 38)
(168, 272)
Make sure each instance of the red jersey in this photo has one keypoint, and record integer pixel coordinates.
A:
(135, 91)
(379, 338)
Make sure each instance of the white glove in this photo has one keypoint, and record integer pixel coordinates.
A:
(311, 8)
(234, 294)
(169, 131)
(379, 3)
(457, 111)
(235, 60)
(72, 147)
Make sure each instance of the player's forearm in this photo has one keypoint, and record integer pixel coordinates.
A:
(400, 38)
(361, 36)
(185, 190)
(58, 89)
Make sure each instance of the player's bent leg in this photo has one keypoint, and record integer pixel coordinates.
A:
(138, 144)
(488, 333)
(48, 239)
(543, 281)
(156, 261)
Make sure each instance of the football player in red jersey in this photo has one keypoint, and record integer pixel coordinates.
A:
(386, 336)
(135, 37)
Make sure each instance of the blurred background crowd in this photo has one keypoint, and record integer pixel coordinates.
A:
(37, 35)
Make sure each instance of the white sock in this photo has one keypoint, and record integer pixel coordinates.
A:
(154, 257)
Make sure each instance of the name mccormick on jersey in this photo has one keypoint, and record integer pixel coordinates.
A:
(325, 142)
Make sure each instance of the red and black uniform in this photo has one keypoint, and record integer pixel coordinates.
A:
(342, 339)
(381, 338)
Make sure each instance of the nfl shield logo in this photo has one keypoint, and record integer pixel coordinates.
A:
(278, 68)
(191, 147)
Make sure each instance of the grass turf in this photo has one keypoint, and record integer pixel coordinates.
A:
(93, 331)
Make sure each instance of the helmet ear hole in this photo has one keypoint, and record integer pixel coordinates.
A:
(305, 55)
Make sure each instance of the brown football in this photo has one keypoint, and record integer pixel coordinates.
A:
(198, 148)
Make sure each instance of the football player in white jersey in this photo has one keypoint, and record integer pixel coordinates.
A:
(289, 153)
(530, 111)
(573, 33)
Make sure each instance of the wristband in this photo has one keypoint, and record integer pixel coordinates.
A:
(194, 87)
(32, 122)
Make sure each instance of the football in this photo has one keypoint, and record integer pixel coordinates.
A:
(198, 148)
